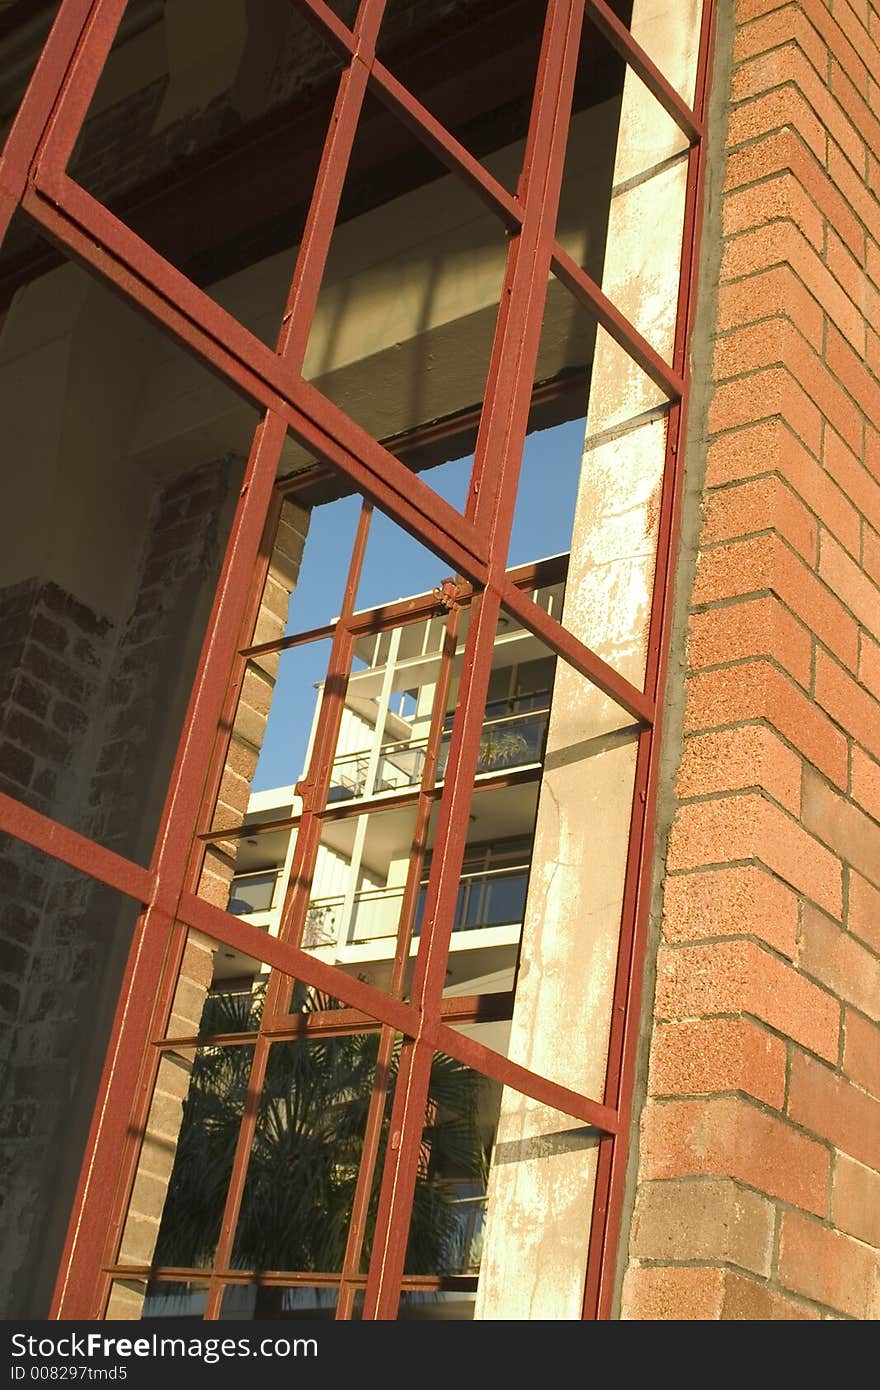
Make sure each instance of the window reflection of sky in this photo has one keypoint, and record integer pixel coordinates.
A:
(397, 566)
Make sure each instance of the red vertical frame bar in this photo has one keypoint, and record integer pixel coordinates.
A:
(491, 503)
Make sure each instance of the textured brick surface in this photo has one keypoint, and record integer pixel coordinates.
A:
(775, 817)
(726, 1136)
(703, 1056)
(831, 1268)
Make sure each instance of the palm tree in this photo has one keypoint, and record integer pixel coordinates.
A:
(304, 1161)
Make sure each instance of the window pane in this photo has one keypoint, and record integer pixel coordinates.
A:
(449, 1204)
(304, 1160)
(128, 462)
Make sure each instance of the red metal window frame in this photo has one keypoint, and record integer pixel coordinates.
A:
(33, 177)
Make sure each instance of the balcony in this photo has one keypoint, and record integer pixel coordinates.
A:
(509, 741)
(493, 898)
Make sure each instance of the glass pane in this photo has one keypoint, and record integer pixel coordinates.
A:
(304, 1160)
(186, 1157)
(566, 873)
(205, 134)
(449, 1204)
(279, 1301)
(494, 57)
(396, 565)
(158, 1298)
(405, 318)
(20, 46)
(287, 687)
(436, 1305)
(128, 463)
(383, 740)
(358, 890)
(65, 939)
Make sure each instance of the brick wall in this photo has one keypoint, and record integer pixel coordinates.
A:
(159, 1146)
(89, 717)
(758, 1194)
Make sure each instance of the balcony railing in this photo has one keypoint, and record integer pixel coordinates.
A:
(510, 741)
(489, 898)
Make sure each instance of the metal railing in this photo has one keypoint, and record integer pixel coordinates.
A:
(511, 740)
(487, 898)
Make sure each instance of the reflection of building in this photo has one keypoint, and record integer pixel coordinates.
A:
(363, 860)
(433, 268)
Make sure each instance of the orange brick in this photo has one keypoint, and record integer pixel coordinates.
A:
(700, 1056)
(784, 150)
(861, 117)
(841, 825)
(869, 664)
(698, 1219)
(825, 1103)
(859, 290)
(778, 27)
(771, 447)
(745, 901)
(855, 480)
(746, 826)
(761, 504)
(676, 1293)
(727, 1136)
(850, 371)
(765, 394)
(774, 111)
(861, 1054)
(736, 758)
(734, 977)
(746, 1300)
(756, 690)
(782, 244)
(848, 703)
(746, 10)
(788, 65)
(752, 627)
(855, 1200)
(865, 783)
(864, 910)
(840, 962)
(777, 341)
(872, 436)
(837, 41)
(871, 561)
(829, 1267)
(775, 198)
(704, 1294)
(773, 291)
(767, 563)
(849, 583)
(853, 188)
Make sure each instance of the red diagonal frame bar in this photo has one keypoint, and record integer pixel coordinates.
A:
(52, 838)
(496, 462)
(39, 101)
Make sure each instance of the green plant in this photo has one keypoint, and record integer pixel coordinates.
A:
(304, 1160)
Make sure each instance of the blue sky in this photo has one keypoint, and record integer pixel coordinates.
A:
(397, 566)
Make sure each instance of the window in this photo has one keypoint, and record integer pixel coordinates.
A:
(342, 906)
